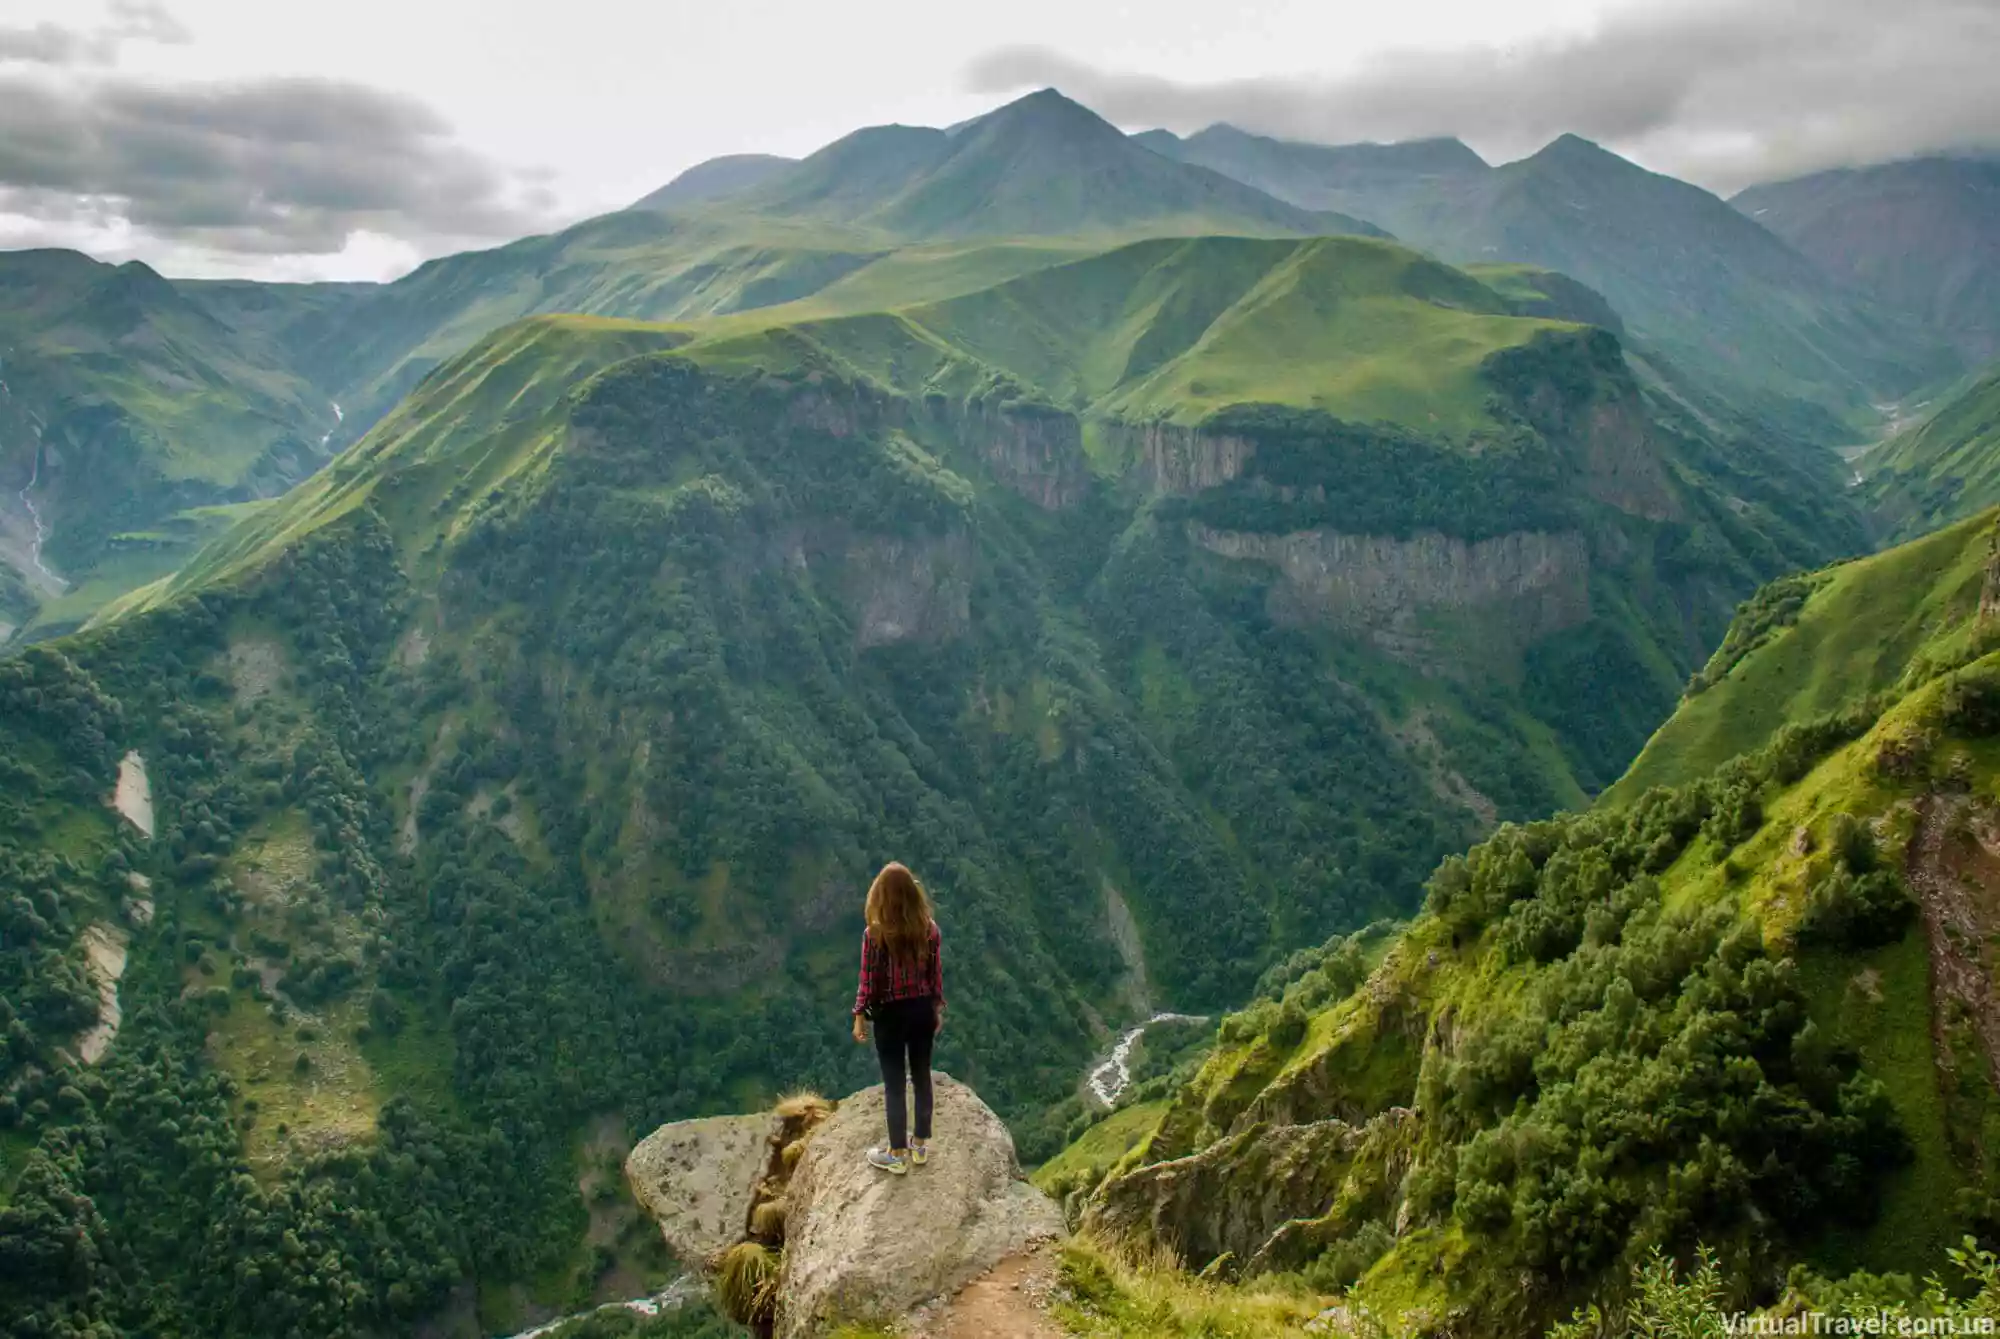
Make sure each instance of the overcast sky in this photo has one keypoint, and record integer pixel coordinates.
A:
(281, 140)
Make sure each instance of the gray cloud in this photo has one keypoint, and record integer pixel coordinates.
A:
(53, 44)
(1723, 92)
(272, 167)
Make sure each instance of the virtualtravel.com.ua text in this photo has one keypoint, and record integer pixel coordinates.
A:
(1818, 1322)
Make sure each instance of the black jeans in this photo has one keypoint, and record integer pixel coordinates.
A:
(904, 1030)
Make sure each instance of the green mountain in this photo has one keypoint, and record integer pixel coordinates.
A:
(181, 396)
(1717, 314)
(1741, 322)
(512, 779)
(1922, 236)
(715, 179)
(1326, 176)
(128, 410)
(1944, 468)
(1039, 165)
(1745, 1003)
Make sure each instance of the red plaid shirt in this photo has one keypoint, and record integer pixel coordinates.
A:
(884, 979)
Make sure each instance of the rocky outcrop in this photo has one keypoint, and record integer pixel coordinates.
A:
(860, 1245)
(894, 588)
(698, 1179)
(1524, 585)
(1234, 1194)
(1035, 450)
(1622, 459)
(1171, 458)
(901, 590)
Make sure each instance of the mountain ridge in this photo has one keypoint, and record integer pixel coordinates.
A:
(1922, 235)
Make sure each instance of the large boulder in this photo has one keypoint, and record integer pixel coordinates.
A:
(861, 1245)
(699, 1177)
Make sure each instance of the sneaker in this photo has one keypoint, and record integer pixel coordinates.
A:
(919, 1153)
(896, 1164)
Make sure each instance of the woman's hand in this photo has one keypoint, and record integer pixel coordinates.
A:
(940, 1020)
(860, 1029)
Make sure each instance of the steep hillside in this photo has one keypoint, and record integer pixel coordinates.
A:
(1037, 166)
(1819, 643)
(1945, 467)
(1755, 1012)
(1758, 327)
(1922, 236)
(124, 405)
(513, 780)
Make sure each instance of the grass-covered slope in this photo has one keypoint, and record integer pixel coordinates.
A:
(1945, 467)
(1179, 328)
(1760, 328)
(1821, 642)
(1752, 1011)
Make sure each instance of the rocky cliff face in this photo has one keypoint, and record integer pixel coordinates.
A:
(1525, 585)
(894, 588)
(1034, 450)
(1179, 460)
(1231, 1196)
(1580, 396)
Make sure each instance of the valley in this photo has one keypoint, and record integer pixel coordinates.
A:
(1409, 615)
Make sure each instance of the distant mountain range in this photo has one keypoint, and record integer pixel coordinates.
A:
(1748, 335)
(1922, 236)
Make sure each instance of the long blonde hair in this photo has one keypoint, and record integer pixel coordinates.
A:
(899, 914)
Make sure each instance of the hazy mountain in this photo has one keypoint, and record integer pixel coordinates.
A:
(715, 179)
(1921, 235)
(1744, 323)
(1042, 164)
(1322, 176)
(129, 404)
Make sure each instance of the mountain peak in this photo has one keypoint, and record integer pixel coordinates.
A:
(1045, 111)
(1574, 147)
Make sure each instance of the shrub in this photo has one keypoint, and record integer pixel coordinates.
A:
(746, 1283)
(1971, 703)
(1290, 1028)
(1846, 911)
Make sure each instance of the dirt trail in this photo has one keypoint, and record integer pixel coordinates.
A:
(1009, 1301)
(1957, 920)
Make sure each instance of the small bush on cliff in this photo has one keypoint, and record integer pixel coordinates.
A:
(1289, 1029)
(747, 1283)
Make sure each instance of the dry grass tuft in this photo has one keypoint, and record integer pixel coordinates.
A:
(767, 1220)
(746, 1283)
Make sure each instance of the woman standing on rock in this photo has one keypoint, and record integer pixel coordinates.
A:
(902, 993)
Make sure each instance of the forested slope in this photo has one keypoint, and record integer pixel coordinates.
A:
(1751, 1011)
